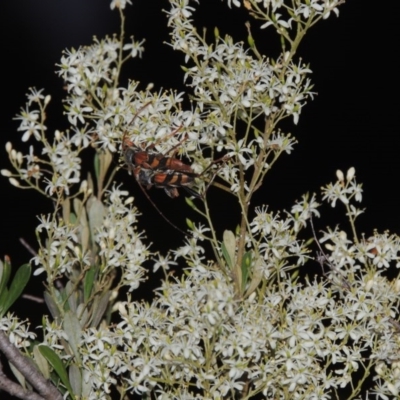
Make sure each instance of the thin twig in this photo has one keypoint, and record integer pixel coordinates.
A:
(37, 299)
(28, 246)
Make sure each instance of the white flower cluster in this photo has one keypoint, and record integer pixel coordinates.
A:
(86, 70)
(51, 167)
(275, 239)
(198, 337)
(295, 11)
(116, 234)
(243, 323)
(17, 331)
(121, 246)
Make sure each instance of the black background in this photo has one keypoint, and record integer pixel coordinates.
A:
(351, 122)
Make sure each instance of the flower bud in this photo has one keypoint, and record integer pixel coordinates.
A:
(380, 369)
(122, 309)
(8, 147)
(128, 201)
(350, 174)
(252, 297)
(83, 187)
(369, 285)
(340, 175)
(14, 182)
(6, 172)
(47, 100)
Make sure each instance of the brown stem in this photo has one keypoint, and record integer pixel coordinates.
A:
(16, 390)
(28, 370)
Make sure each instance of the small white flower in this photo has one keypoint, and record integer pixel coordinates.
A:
(121, 4)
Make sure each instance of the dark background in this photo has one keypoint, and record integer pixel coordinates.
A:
(352, 121)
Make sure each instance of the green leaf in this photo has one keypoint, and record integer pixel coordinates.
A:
(225, 253)
(41, 362)
(5, 271)
(51, 305)
(99, 307)
(88, 282)
(189, 223)
(246, 264)
(73, 329)
(96, 211)
(66, 210)
(96, 166)
(228, 248)
(256, 276)
(20, 378)
(55, 361)
(189, 202)
(18, 284)
(3, 299)
(72, 218)
(83, 313)
(72, 297)
(75, 378)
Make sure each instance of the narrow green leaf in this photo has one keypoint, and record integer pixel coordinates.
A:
(71, 296)
(189, 202)
(256, 276)
(75, 378)
(5, 271)
(18, 284)
(96, 211)
(72, 218)
(96, 166)
(84, 316)
(99, 307)
(229, 247)
(66, 210)
(88, 282)
(41, 362)
(225, 253)
(246, 264)
(73, 330)
(1, 269)
(20, 378)
(3, 300)
(52, 306)
(78, 205)
(55, 361)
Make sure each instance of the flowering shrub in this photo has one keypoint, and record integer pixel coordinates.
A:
(244, 320)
